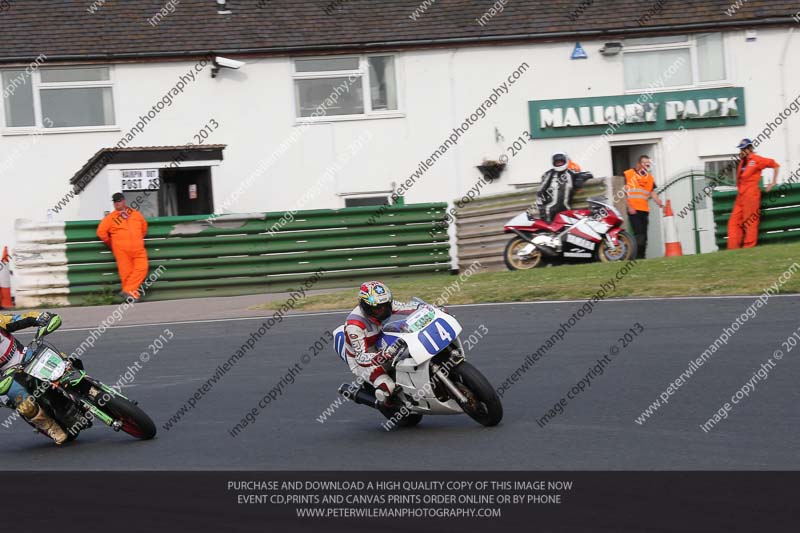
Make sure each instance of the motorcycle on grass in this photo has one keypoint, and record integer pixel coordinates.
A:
(594, 234)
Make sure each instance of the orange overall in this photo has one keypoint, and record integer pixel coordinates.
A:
(123, 232)
(747, 209)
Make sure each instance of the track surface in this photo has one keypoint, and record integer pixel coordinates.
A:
(596, 432)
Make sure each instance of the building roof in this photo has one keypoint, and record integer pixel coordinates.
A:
(144, 154)
(66, 30)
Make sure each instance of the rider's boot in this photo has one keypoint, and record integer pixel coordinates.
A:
(41, 420)
(385, 391)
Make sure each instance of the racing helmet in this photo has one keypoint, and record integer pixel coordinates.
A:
(375, 300)
(560, 161)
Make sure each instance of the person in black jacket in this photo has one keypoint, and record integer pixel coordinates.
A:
(558, 187)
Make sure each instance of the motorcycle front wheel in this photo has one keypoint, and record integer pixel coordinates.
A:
(135, 422)
(483, 405)
(515, 262)
(625, 251)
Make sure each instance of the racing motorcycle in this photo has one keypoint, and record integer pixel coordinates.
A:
(425, 357)
(70, 396)
(595, 233)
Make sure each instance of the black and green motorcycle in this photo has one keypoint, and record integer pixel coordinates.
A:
(67, 393)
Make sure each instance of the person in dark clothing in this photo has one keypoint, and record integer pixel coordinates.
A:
(558, 188)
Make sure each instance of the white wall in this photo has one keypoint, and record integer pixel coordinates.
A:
(439, 88)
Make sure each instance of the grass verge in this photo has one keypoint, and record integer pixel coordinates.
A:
(733, 272)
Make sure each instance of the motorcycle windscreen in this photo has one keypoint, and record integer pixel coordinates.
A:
(414, 322)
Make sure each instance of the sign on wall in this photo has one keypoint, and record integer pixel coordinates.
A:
(139, 180)
(632, 113)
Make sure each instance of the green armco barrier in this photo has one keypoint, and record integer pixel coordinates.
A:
(202, 247)
(249, 253)
(780, 214)
(253, 223)
(237, 286)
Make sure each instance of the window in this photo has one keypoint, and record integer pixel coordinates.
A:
(58, 98)
(366, 200)
(674, 61)
(722, 172)
(345, 86)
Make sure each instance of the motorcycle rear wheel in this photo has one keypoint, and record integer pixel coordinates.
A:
(624, 252)
(135, 422)
(514, 262)
(484, 405)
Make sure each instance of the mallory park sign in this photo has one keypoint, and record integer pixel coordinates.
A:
(632, 113)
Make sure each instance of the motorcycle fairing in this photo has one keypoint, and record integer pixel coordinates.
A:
(424, 344)
(563, 219)
(339, 343)
(412, 377)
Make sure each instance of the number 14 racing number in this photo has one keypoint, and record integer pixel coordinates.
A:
(437, 336)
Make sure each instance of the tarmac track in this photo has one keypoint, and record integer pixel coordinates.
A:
(597, 430)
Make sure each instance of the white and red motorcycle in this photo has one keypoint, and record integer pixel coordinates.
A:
(584, 234)
(426, 360)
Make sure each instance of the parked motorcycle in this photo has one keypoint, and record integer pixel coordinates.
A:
(426, 359)
(73, 398)
(584, 234)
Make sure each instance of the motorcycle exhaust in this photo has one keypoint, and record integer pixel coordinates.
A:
(546, 250)
(522, 235)
(358, 395)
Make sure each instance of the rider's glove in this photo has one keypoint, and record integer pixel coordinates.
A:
(44, 318)
(386, 357)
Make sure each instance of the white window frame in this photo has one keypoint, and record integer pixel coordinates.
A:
(719, 158)
(691, 44)
(363, 71)
(37, 85)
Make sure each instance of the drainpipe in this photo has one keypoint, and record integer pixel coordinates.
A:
(451, 231)
(782, 68)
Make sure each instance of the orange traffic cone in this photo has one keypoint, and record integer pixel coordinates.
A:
(5, 280)
(673, 245)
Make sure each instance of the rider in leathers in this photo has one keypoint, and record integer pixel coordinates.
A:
(558, 188)
(364, 324)
(11, 354)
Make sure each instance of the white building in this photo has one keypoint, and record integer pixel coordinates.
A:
(349, 99)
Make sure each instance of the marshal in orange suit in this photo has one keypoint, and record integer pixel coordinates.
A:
(123, 231)
(743, 224)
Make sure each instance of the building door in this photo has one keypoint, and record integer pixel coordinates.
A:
(624, 157)
(186, 191)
